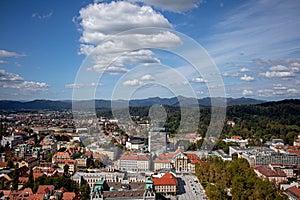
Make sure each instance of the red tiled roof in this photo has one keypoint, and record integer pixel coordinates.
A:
(69, 161)
(159, 160)
(237, 137)
(62, 154)
(36, 175)
(68, 195)
(44, 189)
(36, 197)
(294, 151)
(3, 164)
(294, 192)
(268, 172)
(134, 157)
(23, 180)
(166, 179)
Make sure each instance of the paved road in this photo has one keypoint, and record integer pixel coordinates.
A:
(189, 189)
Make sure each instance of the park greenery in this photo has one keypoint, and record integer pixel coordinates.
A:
(234, 180)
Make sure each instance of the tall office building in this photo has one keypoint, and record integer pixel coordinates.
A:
(157, 142)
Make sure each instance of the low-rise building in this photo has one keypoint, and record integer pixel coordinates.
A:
(92, 178)
(134, 162)
(293, 193)
(275, 176)
(71, 163)
(60, 156)
(166, 184)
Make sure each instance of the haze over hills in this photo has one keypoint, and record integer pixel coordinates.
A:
(106, 104)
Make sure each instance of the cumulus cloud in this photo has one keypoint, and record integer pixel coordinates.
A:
(199, 80)
(279, 68)
(247, 92)
(226, 74)
(147, 77)
(175, 6)
(81, 85)
(295, 67)
(245, 77)
(244, 69)
(15, 81)
(4, 53)
(279, 90)
(134, 82)
(111, 49)
(278, 74)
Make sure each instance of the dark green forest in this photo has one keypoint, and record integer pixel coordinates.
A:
(265, 121)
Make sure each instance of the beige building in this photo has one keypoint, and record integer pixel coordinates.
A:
(134, 162)
(92, 178)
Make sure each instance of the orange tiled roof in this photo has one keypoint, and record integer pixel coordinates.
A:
(69, 161)
(36, 175)
(23, 180)
(68, 195)
(3, 164)
(237, 137)
(44, 189)
(268, 172)
(62, 154)
(166, 179)
(134, 157)
(36, 197)
(294, 192)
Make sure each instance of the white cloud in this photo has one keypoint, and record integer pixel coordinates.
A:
(78, 85)
(4, 53)
(147, 77)
(295, 67)
(245, 77)
(199, 80)
(279, 68)
(278, 74)
(244, 69)
(42, 16)
(226, 74)
(175, 6)
(279, 90)
(101, 20)
(247, 92)
(15, 81)
(104, 40)
(133, 82)
(279, 87)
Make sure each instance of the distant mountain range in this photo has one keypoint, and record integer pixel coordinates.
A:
(7, 105)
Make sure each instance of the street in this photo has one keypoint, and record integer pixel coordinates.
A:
(189, 188)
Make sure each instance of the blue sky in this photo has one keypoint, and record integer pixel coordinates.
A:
(105, 49)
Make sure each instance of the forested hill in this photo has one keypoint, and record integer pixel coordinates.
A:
(266, 121)
(6, 105)
(286, 111)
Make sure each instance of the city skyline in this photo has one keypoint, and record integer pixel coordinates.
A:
(44, 45)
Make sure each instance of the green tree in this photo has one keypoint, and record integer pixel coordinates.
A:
(2, 187)
(30, 182)
(15, 181)
(84, 189)
(215, 192)
(66, 170)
